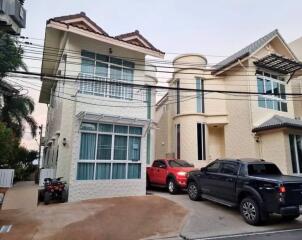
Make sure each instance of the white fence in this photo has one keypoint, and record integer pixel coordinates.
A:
(46, 173)
(7, 178)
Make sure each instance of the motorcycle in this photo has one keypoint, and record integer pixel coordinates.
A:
(54, 189)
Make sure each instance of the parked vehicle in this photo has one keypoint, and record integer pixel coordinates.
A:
(54, 189)
(257, 187)
(170, 173)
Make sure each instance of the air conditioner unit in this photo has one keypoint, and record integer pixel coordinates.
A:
(12, 16)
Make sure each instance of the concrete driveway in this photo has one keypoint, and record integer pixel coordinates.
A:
(21, 195)
(124, 218)
(207, 219)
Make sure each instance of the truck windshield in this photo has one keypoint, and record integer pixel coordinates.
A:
(179, 163)
(263, 169)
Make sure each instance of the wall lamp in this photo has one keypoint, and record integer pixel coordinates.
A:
(64, 142)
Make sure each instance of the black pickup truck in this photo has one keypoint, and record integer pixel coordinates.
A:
(257, 187)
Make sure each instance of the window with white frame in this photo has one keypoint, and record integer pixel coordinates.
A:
(108, 73)
(273, 89)
(295, 142)
(109, 151)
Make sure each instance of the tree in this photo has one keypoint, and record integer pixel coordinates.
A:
(17, 110)
(10, 55)
(24, 167)
(8, 146)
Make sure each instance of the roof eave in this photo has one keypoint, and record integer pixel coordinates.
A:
(280, 126)
(103, 38)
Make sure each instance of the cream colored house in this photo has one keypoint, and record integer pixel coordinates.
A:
(98, 133)
(296, 46)
(203, 126)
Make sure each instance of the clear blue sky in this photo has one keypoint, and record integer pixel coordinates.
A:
(213, 27)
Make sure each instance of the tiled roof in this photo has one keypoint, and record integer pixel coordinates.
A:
(78, 15)
(245, 52)
(121, 37)
(278, 121)
(136, 33)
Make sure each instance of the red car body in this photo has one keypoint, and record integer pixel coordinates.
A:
(164, 170)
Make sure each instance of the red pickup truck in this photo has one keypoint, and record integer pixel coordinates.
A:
(170, 173)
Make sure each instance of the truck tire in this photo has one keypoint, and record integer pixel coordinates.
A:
(148, 184)
(46, 198)
(172, 186)
(250, 211)
(193, 191)
(291, 217)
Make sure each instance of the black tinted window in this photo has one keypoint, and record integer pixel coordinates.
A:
(179, 163)
(213, 167)
(230, 168)
(159, 163)
(263, 169)
(156, 163)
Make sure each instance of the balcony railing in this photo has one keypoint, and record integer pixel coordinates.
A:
(106, 87)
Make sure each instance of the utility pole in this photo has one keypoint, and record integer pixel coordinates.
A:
(40, 143)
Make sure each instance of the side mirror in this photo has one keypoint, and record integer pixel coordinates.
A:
(162, 166)
(203, 169)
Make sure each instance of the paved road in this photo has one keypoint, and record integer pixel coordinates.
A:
(208, 220)
(21, 195)
(293, 234)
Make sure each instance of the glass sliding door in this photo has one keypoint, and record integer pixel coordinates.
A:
(109, 151)
(295, 142)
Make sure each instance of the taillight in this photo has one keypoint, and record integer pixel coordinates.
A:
(282, 189)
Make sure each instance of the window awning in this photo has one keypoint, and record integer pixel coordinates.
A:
(277, 122)
(96, 117)
(279, 64)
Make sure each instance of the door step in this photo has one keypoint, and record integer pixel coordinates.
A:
(218, 200)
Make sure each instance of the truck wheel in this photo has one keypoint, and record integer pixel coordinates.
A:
(46, 198)
(250, 211)
(172, 186)
(193, 191)
(291, 217)
(148, 184)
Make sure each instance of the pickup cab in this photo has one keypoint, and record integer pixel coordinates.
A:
(170, 173)
(257, 187)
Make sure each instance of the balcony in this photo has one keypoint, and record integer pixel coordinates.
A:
(12, 16)
(109, 88)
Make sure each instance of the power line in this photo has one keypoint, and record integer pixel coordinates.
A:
(197, 73)
(167, 102)
(65, 78)
(169, 53)
(57, 51)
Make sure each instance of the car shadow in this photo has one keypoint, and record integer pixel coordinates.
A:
(273, 220)
(152, 189)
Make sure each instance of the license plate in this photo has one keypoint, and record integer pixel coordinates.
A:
(300, 208)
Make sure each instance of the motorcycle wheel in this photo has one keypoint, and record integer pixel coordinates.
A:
(46, 198)
(64, 196)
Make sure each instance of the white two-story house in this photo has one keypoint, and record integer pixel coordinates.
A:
(99, 133)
